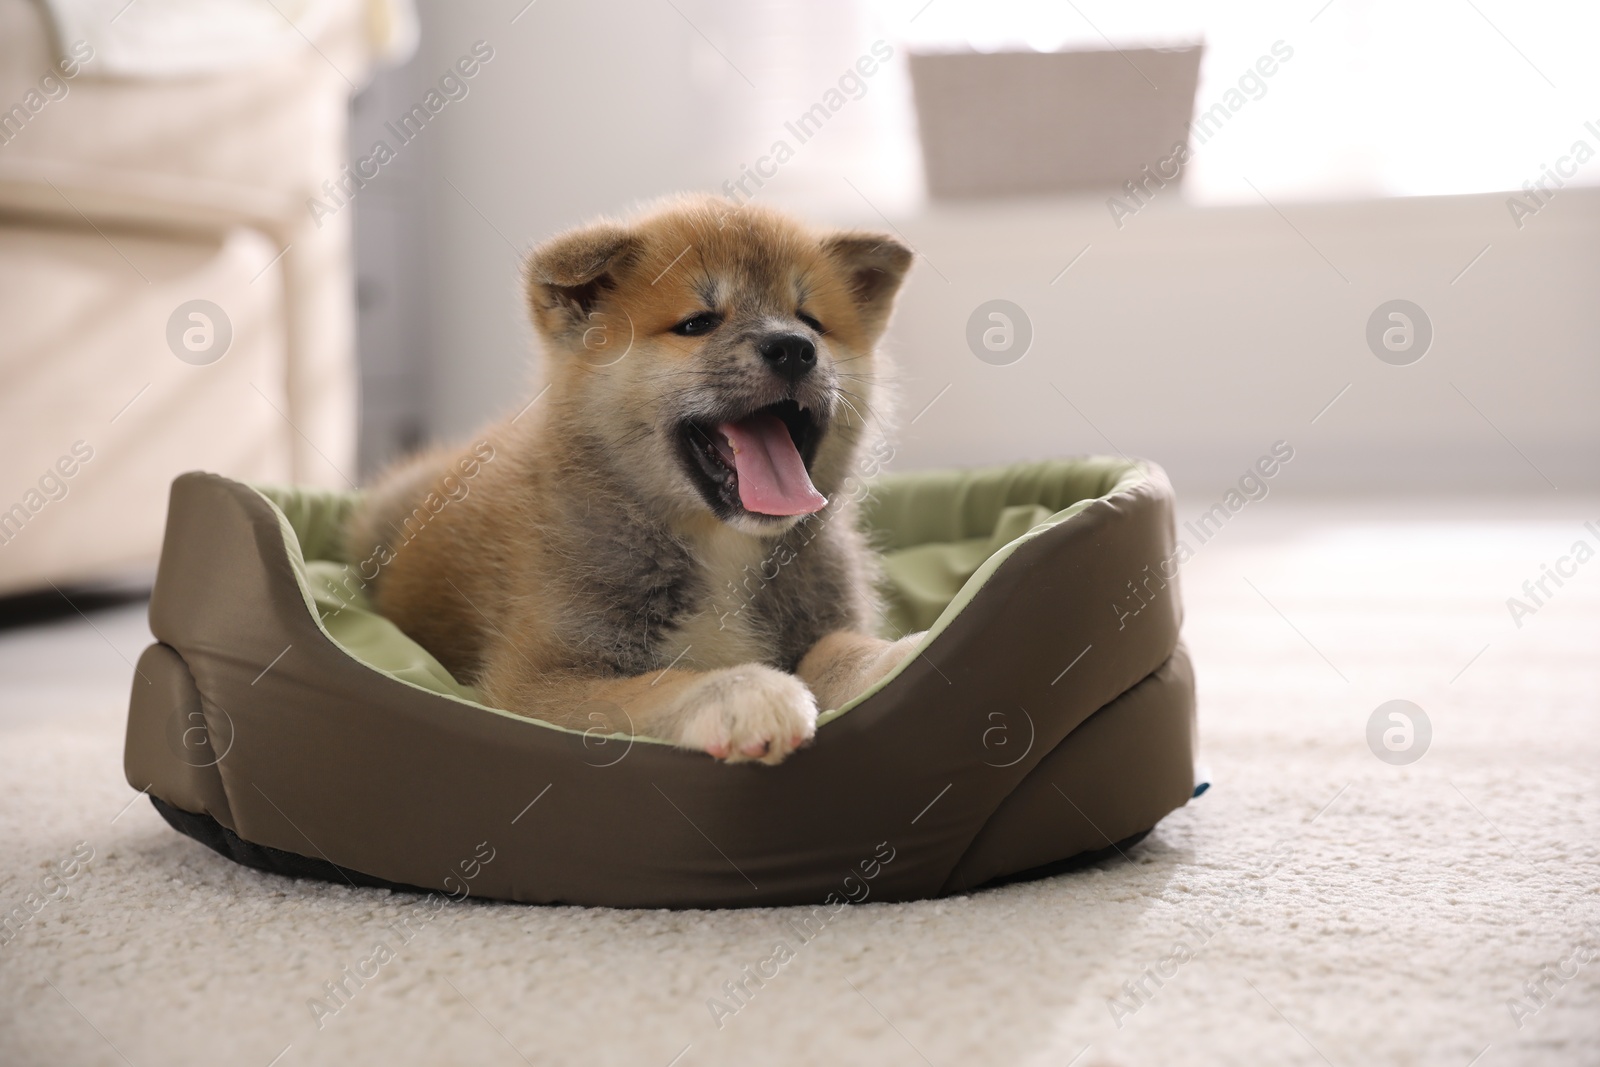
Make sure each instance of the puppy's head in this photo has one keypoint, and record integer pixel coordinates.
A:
(716, 358)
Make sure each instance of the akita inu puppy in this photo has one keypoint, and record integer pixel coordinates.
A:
(711, 384)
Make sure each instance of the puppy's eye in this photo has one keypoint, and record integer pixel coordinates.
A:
(698, 323)
(810, 321)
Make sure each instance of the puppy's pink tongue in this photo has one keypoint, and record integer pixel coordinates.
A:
(772, 476)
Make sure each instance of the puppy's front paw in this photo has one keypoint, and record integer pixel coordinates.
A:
(751, 712)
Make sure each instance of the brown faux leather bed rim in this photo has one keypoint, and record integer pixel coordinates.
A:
(903, 797)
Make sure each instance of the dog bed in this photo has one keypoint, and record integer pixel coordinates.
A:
(1046, 721)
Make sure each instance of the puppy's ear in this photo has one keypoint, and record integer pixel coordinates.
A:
(568, 274)
(874, 265)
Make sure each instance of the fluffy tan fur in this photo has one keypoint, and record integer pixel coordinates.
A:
(567, 563)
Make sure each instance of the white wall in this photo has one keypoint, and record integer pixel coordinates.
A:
(1196, 336)
(581, 111)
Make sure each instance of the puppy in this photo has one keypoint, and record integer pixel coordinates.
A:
(711, 386)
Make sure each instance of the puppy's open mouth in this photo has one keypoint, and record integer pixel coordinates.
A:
(758, 463)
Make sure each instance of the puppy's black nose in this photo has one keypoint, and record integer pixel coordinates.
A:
(789, 354)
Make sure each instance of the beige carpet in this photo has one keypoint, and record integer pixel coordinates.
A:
(1332, 908)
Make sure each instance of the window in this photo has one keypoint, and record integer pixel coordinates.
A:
(1381, 97)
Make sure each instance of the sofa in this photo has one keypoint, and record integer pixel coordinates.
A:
(170, 300)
